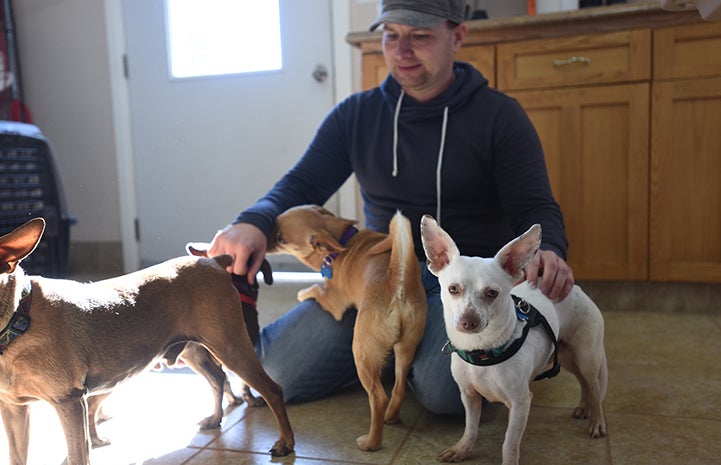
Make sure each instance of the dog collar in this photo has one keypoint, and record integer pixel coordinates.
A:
(525, 313)
(248, 293)
(325, 270)
(20, 321)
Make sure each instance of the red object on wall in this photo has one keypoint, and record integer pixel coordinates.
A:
(12, 105)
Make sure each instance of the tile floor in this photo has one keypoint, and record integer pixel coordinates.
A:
(663, 407)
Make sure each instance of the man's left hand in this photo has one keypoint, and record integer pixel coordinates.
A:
(556, 276)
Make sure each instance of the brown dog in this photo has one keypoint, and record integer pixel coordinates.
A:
(202, 362)
(379, 274)
(84, 339)
(199, 359)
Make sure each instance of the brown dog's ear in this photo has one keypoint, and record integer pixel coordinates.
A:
(515, 256)
(18, 244)
(323, 243)
(322, 210)
(199, 249)
(267, 272)
(438, 245)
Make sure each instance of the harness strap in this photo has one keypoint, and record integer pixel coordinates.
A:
(19, 322)
(325, 270)
(524, 312)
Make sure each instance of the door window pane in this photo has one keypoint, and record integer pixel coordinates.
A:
(216, 37)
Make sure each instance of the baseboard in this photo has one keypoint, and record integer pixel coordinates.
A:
(655, 296)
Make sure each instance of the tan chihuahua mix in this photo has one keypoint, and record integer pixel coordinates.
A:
(67, 342)
(502, 336)
(376, 273)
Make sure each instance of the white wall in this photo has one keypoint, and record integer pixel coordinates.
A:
(63, 56)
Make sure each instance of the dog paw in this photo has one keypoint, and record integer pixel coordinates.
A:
(312, 292)
(394, 420)
(304, 294)
(212, 422)
(597, 431)
(452, 455)
(366, 443)
(281, 448)
(255, 401)
(100, 442)
(580, 413)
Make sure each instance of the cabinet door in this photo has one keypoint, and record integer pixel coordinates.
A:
(483, 57)
(685, 228)
(596, 144)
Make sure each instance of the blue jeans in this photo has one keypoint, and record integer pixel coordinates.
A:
(309, 354)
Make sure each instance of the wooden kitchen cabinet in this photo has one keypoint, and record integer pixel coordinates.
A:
(685, 215)
(597, 163)
(598, 167)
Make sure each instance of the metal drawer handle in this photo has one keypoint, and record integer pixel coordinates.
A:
(568, 61)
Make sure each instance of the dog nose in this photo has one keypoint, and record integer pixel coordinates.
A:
(469, 322)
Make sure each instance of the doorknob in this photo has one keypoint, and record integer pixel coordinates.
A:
(320, 73)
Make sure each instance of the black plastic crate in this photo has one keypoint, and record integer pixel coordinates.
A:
(30, 187)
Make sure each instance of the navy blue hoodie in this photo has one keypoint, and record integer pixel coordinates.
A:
(472, 147)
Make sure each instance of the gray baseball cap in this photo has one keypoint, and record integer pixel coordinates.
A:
(420, 13)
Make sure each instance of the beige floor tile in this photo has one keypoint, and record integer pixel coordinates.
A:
(665, 390)
(659, 440)
(325, 429)
(662, 339)
(551, 436)
(231, 457)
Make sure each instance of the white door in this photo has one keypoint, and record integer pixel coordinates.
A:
(205, 148)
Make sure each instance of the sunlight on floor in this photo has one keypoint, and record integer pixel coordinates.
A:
(163, 406)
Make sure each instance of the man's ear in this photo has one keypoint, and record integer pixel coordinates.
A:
(459, 36)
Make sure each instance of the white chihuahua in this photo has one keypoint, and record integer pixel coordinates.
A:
(502, 337)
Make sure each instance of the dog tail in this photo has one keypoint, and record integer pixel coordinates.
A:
(403, 268)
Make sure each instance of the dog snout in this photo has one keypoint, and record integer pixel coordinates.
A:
(469, 322)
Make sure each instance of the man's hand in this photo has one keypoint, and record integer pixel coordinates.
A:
(556, 276)
(245, 243)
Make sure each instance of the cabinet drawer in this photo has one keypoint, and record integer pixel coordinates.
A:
(578, 60)
(687, 51)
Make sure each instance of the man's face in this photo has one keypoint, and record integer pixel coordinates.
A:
(421, 60)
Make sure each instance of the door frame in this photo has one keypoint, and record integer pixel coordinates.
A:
(342, 80)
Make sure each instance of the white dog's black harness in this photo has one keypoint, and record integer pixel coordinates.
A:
(527, 313)
(20, 321)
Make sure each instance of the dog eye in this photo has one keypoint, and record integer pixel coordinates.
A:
(454, 289)
(279, 239)
(491, 293)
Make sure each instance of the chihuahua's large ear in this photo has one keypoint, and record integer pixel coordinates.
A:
(438, 245)
(324, 243)
(515, 256)
(18, 244)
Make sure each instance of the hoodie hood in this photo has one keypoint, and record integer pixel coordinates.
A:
(467, 81)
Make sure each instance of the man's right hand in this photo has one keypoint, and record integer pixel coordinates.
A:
(245, 243)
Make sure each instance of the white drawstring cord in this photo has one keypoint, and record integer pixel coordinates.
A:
(440, 165)
(395, 134)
